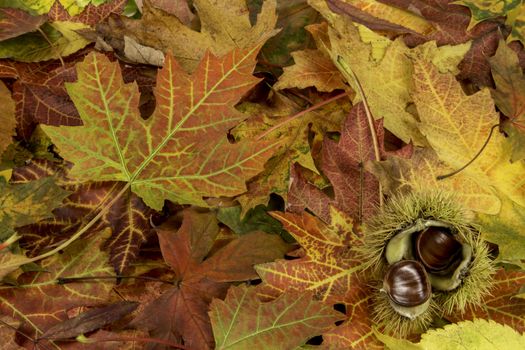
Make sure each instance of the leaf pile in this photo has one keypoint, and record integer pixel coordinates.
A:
(196, 174)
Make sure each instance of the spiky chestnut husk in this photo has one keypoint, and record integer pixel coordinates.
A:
(401, 212)
(391, 322)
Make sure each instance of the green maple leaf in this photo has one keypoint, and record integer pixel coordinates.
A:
(181, 152)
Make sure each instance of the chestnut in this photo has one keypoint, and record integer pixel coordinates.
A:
(438, 250)
(408, 287)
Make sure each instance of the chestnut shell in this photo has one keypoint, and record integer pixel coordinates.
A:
(407, 284)
(437, 249)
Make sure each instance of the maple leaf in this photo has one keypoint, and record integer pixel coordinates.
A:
(356, 191)
(41, 96)
(270, 123)
(180, 313)
(509, 96)
(42, 302)
(181, 152)
(457, 125)
(220, 31)
(14, 22)
(311, 68)
(329, 268)
(386, 83)
(242, 321)
(7, 115)
(501, 305)
(128, 217)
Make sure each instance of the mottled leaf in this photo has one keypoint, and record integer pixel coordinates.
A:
(27, 203)
(242, 321)
(220, 31)
(14, 22)
(8, 327)
(181, 152)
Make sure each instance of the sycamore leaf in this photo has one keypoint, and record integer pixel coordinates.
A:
(14, 22)
(27, 203)
(274, 124)
(91, 14)
(478, 334)
(7, 117)
(457, 126)
(181, 152)
(57, 39)
(311, 68)
(42, 302)
(329, 268)
(509, 96)
(502, 304)
(180, 313)
(128, 217)
(220, 32)
(242, 321)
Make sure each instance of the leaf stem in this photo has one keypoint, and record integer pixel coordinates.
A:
(346, 68)
(300, 114)
(79, 233)
(64, 280)
(139, 339)
(442, 177)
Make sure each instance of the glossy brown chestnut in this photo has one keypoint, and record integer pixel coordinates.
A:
(437, 249)
(406, 283)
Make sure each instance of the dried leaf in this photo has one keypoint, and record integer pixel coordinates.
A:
(181, 152)
(7, 115)
(509, 96)
(57, 39)
(8, 334)
(457, 126)
(478, 334)
(90, 320)
(242, 321)
(14, 22)
(180, 314)
(220, 31)
(91, 14)
(42, 302)
(128, 217)
(311, 68)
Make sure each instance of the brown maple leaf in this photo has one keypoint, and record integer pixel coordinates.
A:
(91, 15)
(15, 22)
(180, 313)
(128, 217)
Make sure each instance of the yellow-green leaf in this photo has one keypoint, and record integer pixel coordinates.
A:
(181, 152)
(478, 334)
